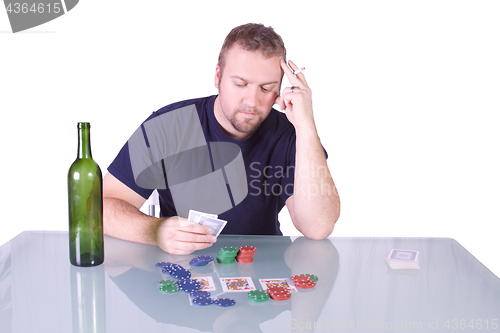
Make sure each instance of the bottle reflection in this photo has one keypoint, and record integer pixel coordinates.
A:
(88, 299)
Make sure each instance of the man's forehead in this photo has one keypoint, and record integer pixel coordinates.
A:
(253, 66)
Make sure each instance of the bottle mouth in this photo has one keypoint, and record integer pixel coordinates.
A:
(83, 125)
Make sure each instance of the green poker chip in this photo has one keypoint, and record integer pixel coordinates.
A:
(227, 255)
(228, 251)
(167, 283)
(258, 296)
(313, 277)
(226, 261)
(169, 289)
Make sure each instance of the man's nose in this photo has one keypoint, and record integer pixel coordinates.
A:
(252, 97)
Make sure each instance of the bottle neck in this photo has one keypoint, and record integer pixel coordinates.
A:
(84, 140)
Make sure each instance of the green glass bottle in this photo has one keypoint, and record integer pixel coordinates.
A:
(86, 240)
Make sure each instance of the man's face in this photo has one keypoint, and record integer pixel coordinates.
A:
(248, 88)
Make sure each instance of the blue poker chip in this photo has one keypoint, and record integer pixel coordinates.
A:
(163, 264)
(174, 267)
(181, 274)
(203, 301)
(200, 293)
(201, 260)
(225, 302)
(188, 285)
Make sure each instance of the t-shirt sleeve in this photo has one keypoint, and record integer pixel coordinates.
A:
(121, 169)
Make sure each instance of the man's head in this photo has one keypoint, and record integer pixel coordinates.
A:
(248, 76)
(253, 37)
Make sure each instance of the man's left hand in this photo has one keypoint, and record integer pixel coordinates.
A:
(296, 102)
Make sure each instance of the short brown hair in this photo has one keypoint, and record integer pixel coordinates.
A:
(254, 37)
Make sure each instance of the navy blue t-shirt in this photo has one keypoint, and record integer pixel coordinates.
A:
(269, 160)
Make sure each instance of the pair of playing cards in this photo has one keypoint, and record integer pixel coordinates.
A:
(240, 284)
(210, 220)
(402, 259)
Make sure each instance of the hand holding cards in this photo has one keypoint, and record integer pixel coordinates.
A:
(209, 220)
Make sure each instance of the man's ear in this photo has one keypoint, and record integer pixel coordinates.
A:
(217, 76)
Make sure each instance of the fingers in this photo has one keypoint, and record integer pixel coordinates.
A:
(295, 79)
(179, 236)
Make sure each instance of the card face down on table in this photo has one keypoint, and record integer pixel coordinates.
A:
(402, 259)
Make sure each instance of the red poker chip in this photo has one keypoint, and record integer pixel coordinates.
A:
(277, 290)
(281, 297)
(301, 278)
(244, 261)
(245, 254)
(305, 285)
(244, 257)
(248, 249)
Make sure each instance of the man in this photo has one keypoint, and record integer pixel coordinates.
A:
(282, 154)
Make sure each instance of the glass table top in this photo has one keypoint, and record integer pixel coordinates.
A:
(356, 290)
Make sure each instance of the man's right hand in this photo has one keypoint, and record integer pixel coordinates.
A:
(124, 220)
(177, 235)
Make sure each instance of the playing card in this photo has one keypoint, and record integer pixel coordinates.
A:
(206, 282)
(402, 259)
(195, 216)
(285, 282)
(214, 223)
(405, 255)
(237, 284)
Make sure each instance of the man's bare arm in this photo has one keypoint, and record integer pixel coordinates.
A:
(124, 220)
(315, 204)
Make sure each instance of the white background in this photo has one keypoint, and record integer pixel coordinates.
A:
(406, 97)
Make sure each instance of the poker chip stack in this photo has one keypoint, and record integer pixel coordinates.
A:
(304, 281)
(245, 254)
(227, 255)
(258, 296)
(279, 293)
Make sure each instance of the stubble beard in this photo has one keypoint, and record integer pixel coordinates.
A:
(245, 125)
(241, 124)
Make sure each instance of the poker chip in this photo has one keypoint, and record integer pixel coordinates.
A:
(167, 283)
(188, 285)
(306, 285)
(181, 274)
(301, 278)
(305, 281)
(225, 302)
(169, 289)
(227, 255)
(174, 270)
(203, 301)
(258, 296)
(245, 254)
(313, 277)
(281, 297)
(244, 261)
(163, 264)
(277, 290)
(200, 293)
(201, 260)
(279, 293)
